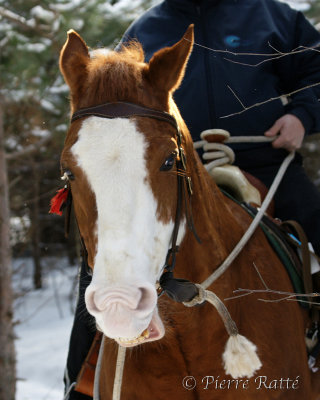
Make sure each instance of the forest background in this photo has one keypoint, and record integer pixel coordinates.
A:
(34, 114)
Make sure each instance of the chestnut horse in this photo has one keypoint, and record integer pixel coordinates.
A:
(123, 169)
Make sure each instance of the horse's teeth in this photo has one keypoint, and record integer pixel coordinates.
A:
(145, 333)
(138, 339)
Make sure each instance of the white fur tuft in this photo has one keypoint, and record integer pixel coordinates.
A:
(240, 357)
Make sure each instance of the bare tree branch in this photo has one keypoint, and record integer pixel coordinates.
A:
(288, 296)
(17, 19)
(267, 101)
(28, 150)
(274, 56)
(23, 23)
(271, 56)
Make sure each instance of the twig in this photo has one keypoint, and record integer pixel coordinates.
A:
(14, 181)
(236, 96)
(56, 296)
(275, 56)
(271, 99)
(253, 65)
(24, 24)
(260, 276)
(287, 295)
(35, 311)
(298, 50)
(271, 56)
(29, 149)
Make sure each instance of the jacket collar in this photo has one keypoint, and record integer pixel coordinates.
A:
(191, 5)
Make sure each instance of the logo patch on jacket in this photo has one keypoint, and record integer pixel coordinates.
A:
(235, 41)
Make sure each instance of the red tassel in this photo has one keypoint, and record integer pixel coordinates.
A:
(58, 201)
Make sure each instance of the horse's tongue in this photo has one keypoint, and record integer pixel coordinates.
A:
(155, 328)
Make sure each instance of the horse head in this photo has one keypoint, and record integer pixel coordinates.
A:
(123, 177)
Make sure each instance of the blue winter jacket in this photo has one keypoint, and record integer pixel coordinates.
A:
(218, 78)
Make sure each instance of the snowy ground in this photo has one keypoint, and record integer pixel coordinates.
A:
(45, 318)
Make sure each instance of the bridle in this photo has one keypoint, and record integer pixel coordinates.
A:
(180, 290)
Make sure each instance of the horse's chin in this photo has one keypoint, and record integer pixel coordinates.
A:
(153, 332)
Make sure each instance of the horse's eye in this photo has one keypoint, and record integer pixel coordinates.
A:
(67, 176)
(169, 162)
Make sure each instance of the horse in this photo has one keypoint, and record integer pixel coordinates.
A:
(126, 148)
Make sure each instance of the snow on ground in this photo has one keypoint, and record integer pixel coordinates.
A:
(45, 318)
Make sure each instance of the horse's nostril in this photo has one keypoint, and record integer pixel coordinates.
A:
(90, 301)
(148, 297)
(139, 300)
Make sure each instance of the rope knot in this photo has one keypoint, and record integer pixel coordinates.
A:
(198, 299)
(240, 356)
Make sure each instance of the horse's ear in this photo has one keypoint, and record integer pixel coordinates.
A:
(74, 57)
(167, 66)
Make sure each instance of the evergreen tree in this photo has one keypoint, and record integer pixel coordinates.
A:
(7, 352)
(313, 13)
(34, 104)
(36, 98)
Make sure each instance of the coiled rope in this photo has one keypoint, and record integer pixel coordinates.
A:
(220, 153)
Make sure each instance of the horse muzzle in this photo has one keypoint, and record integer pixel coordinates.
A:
(126, 313)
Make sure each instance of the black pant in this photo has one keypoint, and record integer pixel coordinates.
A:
(82, 335)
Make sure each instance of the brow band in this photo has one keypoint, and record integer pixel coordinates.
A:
(123, 110)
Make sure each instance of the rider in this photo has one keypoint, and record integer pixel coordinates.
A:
(219, 82)
(240, 59)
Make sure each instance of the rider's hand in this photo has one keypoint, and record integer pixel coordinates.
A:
(290, 130)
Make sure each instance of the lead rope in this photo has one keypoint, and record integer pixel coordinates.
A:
(96, 382)
(240, 355)
(237, 345)
(266, 202)
(226, 154)
(66, 395)
(118, 373)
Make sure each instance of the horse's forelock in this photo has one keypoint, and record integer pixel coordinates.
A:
(129, 52)
(113, 75)
(132, 50)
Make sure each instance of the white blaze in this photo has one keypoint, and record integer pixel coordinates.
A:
(132, 242)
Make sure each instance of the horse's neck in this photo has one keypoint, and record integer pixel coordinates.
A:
(219, 232)
(217, 228)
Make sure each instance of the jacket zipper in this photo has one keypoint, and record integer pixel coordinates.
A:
(209, 74)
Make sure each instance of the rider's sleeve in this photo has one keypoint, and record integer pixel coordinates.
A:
(300, 73)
